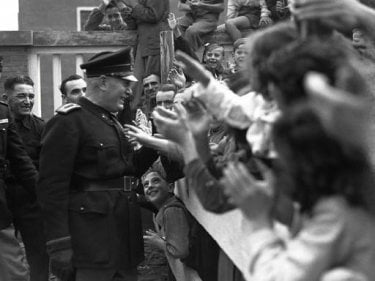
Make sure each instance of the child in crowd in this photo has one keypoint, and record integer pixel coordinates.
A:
(213, 59)
(171, 222)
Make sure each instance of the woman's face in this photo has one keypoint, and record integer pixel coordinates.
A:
(214, 57)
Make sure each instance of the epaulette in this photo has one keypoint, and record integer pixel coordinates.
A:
(37, 117)
(69, 107)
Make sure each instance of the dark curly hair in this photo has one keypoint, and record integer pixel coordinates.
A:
(316, 164)
(287, 68)
(261, 45)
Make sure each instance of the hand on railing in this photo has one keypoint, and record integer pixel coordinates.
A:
(254, 198)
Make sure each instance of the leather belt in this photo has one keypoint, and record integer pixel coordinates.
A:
(124, 183)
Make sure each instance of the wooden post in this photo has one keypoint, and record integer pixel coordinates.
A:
(56, 72)
(166, 54)
(34, 73)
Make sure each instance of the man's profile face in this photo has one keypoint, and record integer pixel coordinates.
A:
(116, 95)
(165, 99)
(74, 90)
(151, 85)
(114, 18)
(21, 99)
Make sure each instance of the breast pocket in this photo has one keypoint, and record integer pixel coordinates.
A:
(103, 159)
(89, 223)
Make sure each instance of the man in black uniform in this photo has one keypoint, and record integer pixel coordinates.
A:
(13, 153)
(19, 93)
(86, 185)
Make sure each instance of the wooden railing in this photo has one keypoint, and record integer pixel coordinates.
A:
(226, 229)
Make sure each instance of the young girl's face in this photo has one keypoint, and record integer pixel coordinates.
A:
(214, 57)
(156, 188)
(240, 56)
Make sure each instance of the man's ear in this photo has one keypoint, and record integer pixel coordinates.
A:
(171, 187)
(102, 83)
(4, 97)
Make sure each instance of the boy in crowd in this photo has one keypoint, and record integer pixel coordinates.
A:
(172, 224)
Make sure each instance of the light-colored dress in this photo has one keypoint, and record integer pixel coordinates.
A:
(336, 235)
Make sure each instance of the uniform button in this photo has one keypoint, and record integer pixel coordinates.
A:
(4, 129)
(103, 116)
(82, 209)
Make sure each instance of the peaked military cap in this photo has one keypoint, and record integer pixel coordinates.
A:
(117, 64)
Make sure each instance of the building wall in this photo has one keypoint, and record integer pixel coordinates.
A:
(39, 15)
(60, 15)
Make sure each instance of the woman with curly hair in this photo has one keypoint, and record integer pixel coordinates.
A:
(331, 184)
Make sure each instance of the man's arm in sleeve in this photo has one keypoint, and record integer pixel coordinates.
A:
(152, 12)
(95, 19)
(231, 10)
(59, 147)
(143, 159)
(20, 163)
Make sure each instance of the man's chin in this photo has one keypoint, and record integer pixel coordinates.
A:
(24, 112)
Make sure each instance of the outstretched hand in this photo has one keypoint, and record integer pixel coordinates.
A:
(344, 116)
(265, 21)
(254, 198)
(136, 135)
(198, 120)
(194, 69)
(177, 77)
(172, 124)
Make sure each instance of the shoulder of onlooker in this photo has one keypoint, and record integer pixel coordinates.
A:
(68, 108)
(37, 119)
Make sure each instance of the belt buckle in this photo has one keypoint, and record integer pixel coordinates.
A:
(129, 183)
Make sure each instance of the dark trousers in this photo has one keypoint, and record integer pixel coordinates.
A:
(27, 219)
(88, 274)
(195, 29)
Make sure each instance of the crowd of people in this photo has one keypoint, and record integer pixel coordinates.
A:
(283, 134)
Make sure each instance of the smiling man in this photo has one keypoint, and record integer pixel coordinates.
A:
(88, 173)
(72, 88)
(26, 213)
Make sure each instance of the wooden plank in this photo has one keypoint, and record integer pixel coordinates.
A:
(16, 38)
(166, 54)
(79, 61)
(229, 230)
(34, 73)
(83, 38)
(73, 50)
(56, 80)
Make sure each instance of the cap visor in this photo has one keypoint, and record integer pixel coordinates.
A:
(130, 78)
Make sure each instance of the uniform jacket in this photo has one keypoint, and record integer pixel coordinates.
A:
(30, 129)
(105, 227)
(151, 18)
(12, 152)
